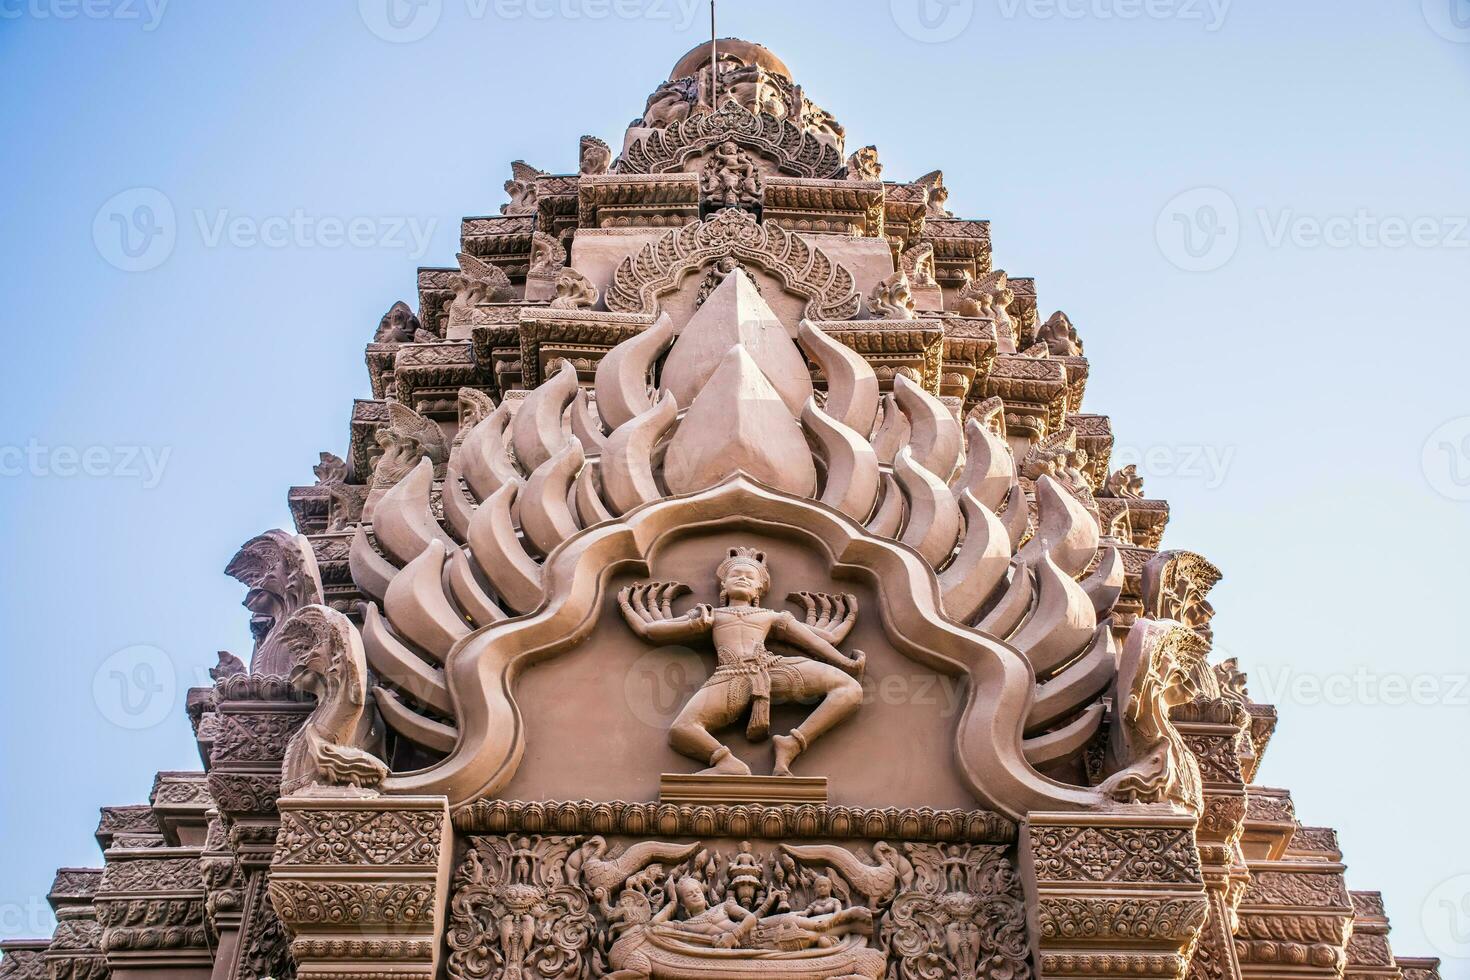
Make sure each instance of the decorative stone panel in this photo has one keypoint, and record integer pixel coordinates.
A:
(1113, 894)
(361, 885)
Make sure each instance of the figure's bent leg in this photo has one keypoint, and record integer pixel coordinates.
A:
(690, 735)
(844, 698)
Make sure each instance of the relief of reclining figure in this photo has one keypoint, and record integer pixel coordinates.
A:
(747, 675)
(826, 934)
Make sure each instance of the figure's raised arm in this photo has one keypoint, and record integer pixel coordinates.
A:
(649, 610)
(829, 616)
(814, 645)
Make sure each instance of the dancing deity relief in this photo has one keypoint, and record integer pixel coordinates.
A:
(748, 677)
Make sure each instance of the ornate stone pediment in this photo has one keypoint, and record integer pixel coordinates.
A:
(893, 525)
(790, 149)
(662, 266)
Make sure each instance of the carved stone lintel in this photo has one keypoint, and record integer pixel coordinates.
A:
(361, 886)
(747, 820)
(1113, 893)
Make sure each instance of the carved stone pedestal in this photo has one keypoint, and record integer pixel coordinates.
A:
(1113, 894)
(734, 790)
(362, 884)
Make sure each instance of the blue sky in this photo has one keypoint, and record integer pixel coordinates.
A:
(1255, 212)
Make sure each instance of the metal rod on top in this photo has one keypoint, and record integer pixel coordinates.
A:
(714, 58)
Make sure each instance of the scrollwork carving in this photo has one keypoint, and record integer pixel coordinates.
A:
(661, 266)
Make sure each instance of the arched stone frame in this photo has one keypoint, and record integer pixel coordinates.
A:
(794, 151)
(482, 669)
(660, 267)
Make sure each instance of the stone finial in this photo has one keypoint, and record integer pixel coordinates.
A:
(407, 438)
(1151, 760)
(399, 326)
(1124, 484)
(477, 282)
(595, 158)
(280, 571)
(522, 188)
(574, 291)
(865, 165)
(938, 193)
(893, 299)
(1175, 585)
(1059, 336)
(327, 661)
(331, 471)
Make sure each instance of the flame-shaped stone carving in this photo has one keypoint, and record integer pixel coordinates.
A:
(736, 315)
(739, 423)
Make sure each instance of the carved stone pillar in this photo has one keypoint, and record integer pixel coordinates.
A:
(23, 959)
(151, 909)
(1113, 894)
(253, 719)
(1214, 731)
(1296, 917)
(362, 885)
(75, 952)
(1370, 955)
